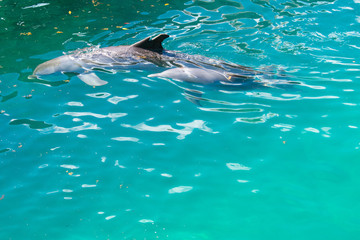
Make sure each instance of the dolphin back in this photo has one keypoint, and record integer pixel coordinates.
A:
(154, 44)
(193, 75)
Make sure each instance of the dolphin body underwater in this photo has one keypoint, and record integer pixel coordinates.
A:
(147, 54)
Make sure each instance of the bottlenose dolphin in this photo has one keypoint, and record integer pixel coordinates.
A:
(147, 54)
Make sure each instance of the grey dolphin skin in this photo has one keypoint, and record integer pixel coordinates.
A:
(147, 54)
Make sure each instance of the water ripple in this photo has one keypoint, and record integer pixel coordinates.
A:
(126, 139)
(187, 128)
(180, 189)
(83, 127)
(31, 123)
(112, 116)
(136, 153)
(232, 110)
(237, 166)
(254, 120)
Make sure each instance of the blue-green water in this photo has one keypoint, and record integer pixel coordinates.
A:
(134, 159)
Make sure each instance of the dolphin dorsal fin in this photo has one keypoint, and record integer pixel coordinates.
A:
(153, 44)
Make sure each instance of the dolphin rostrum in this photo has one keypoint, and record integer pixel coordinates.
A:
(147, 54)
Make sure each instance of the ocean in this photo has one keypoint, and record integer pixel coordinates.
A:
(134, 159)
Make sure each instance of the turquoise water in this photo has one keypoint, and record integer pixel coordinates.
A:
(134, 159)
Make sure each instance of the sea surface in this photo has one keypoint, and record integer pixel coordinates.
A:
(134, 159)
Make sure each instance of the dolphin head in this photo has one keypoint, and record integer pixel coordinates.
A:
(46, 68)
(59, 64)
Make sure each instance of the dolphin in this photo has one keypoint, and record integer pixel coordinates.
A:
(147, 54)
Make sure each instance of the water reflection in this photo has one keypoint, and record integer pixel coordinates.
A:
(134, 152)
(187, 129)
(258, 31)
